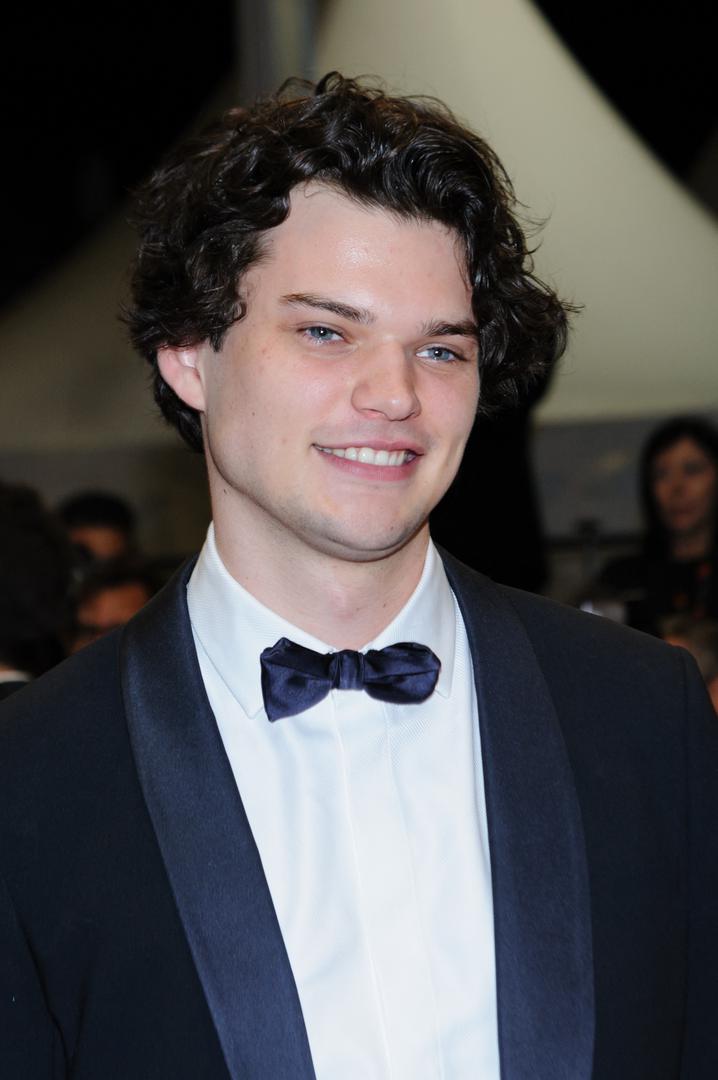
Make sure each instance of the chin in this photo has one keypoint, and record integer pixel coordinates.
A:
(683, 530)
(362, 545)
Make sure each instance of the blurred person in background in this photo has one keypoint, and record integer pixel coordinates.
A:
(676, 571)
(100, 524)
(109, 594)
(35, 567)
(701, 640)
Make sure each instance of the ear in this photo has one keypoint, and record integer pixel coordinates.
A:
(181, 369)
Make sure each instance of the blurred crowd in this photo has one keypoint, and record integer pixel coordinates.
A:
(67, 577)
(70, 575)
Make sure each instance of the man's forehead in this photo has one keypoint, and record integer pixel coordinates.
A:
(317, 205)
(327, 226)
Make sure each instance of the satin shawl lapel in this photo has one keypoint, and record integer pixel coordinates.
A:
(208, 849)
(538, 860)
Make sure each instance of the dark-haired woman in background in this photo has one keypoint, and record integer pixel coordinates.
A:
(677, 570)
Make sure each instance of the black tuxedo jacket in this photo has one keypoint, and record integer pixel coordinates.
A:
(138, 940)
(11, 687)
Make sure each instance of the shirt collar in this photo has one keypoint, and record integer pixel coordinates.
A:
(233, 627)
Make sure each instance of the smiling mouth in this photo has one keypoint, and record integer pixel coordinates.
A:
(366, 456)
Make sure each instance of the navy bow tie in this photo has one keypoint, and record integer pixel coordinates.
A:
(295, 678)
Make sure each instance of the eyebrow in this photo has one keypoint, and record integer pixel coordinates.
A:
(325, 303)
(464, 328)
(436, 328)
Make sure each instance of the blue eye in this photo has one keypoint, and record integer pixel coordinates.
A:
(440, 353)
(321, 333)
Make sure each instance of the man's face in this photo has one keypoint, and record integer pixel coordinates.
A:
(336, 412)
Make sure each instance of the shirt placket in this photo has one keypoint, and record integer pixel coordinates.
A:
(386, 889)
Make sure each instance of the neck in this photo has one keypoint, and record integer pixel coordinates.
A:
(692, 546)
(341, 601)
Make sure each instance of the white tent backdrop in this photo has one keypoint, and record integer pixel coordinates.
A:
(624, 238)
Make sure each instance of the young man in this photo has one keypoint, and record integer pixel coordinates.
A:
(333, 805)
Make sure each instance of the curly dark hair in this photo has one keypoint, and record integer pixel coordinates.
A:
(202, 215)
(656, 540)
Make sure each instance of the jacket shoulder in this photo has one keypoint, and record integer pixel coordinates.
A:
(577, 630)
(582, 648)
(88, 686)
(63, 713)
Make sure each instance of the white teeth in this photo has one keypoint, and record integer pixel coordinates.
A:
(367, 456)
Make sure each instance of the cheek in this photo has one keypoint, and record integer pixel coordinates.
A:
(660, 489)
(710, 491)
(241, 392)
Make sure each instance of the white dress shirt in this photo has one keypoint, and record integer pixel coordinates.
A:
(370, 822)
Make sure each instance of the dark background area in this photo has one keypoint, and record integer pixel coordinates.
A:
(89, 104)
(655, 62)
(91, 101)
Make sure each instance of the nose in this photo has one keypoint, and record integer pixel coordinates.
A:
(386, 384)
(677, 484)
(674, 482)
